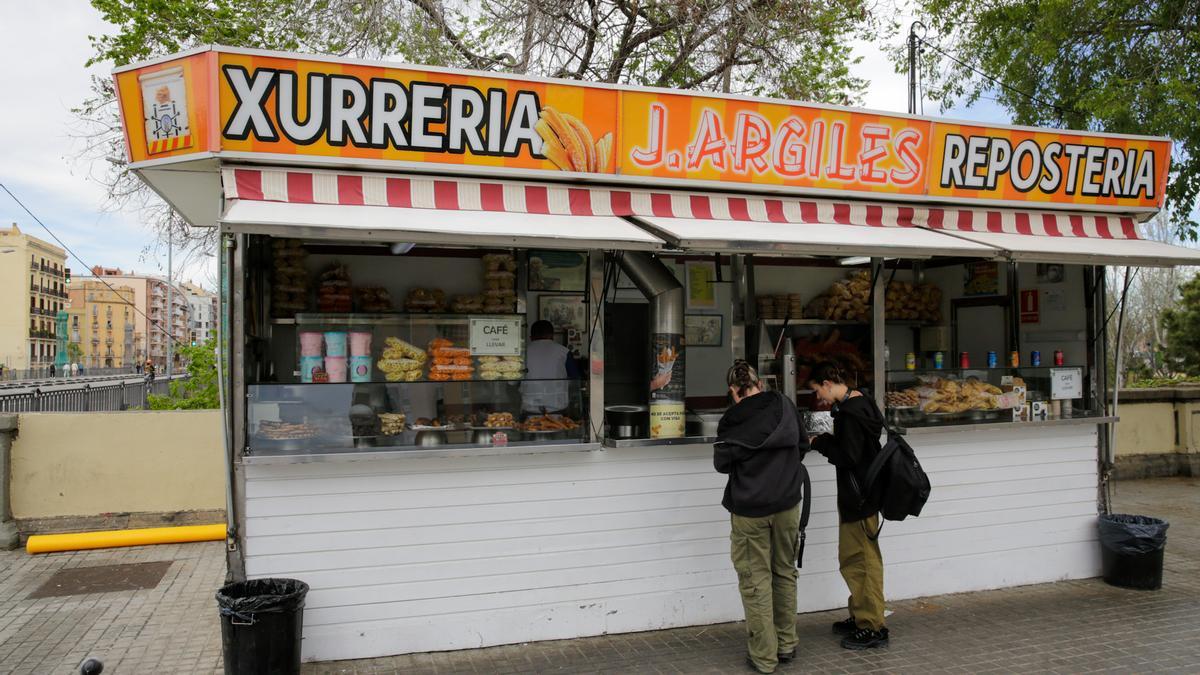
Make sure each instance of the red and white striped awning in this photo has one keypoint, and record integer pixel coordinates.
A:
(473, 212)
(306, 186)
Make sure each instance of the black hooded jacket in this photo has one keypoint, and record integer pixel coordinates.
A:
(857, 426)
(760, 445)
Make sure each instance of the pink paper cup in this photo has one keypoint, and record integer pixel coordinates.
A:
(310, 343)
(360, 343)
(335, 366)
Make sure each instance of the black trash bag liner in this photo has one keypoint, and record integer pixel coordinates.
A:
(243, 599)
(1131, 535)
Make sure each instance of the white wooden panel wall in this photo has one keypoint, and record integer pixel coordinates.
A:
(435, 554)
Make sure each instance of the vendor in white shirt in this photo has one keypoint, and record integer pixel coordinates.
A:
(549, 366)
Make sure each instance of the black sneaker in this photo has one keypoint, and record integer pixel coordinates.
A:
(787, 657)
(865, 638)
(845, 626)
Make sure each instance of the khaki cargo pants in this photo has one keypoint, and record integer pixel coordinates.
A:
(764, 555)
(862, 568)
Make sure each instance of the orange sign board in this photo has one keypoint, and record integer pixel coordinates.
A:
(334, 111)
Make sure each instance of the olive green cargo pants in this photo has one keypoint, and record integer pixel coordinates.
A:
(764, 555)
(862, 568)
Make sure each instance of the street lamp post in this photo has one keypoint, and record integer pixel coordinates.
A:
(170, 305)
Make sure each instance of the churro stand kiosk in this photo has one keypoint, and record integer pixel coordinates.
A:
(443, 479)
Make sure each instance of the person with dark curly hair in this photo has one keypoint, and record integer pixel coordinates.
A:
(854, 443)
(761, 445)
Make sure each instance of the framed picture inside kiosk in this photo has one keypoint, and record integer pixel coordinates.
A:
(704, 330)
(565, 311)
(561, 271)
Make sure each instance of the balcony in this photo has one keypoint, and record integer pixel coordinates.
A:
(34, 266)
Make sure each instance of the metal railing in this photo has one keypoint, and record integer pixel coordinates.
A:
(12, 375)
(87, 397)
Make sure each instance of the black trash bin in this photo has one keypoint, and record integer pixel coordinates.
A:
(261, 624)
(1131, 550)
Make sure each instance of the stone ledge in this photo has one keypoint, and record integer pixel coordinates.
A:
(116, 521)
(1160, 395)
(1135, 467)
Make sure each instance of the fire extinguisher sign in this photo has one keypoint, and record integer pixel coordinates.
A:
(1029, 307)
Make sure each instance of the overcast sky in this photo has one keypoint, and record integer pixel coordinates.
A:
(44, 45)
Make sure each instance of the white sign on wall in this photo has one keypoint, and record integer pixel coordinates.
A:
(496, 337)
(1066, 383)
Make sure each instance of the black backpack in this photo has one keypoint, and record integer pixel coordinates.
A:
(896, 485)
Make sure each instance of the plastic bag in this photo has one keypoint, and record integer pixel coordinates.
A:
(243, 599)
(1131, 535)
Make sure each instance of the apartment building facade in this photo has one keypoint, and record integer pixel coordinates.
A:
(202, 313)
(153, 318)
(102, 320)
(36, 270)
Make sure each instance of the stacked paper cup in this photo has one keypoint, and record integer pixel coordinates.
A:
(310, 355)
(360, 356)
(335, 355)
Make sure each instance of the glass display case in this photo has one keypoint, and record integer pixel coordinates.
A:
(319, 418)
(346, 382)
(926, 397)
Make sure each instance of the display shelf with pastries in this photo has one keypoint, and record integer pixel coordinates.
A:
(303, 419)
(333, 348)
(930, 397)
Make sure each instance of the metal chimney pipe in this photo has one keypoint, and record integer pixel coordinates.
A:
(667, 363)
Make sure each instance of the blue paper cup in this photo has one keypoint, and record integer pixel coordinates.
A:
(360, 368)
(335, 343)
(307, 365)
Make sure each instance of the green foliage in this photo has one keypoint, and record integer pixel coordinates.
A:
(1183, 330)
(74, 352)
(797, 49)
(199, 391)
(1123, 66)
(1157, 382)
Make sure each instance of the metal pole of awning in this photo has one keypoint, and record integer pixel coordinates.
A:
(1110, 452)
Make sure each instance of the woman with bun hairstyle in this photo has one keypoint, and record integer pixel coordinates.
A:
(854, 443)
(760, 445)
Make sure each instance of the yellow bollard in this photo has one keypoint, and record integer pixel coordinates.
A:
(49, 543)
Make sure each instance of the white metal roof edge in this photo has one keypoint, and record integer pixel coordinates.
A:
(281, 224)
(1152, 253)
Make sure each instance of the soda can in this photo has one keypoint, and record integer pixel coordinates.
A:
(1014, 360)
(910, 361)
(1035, 358)
(939, 360)
(1058, 357)
(964, 360)
(991, 359)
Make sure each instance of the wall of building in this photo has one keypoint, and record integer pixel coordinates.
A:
(106, 319)
(27, 327)
(1159, 433)
(80, 466)
(153, 319)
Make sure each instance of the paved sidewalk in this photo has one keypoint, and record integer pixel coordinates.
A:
(171, 628)
(1075, 626)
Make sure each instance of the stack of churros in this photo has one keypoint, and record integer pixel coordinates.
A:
(569, 144)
